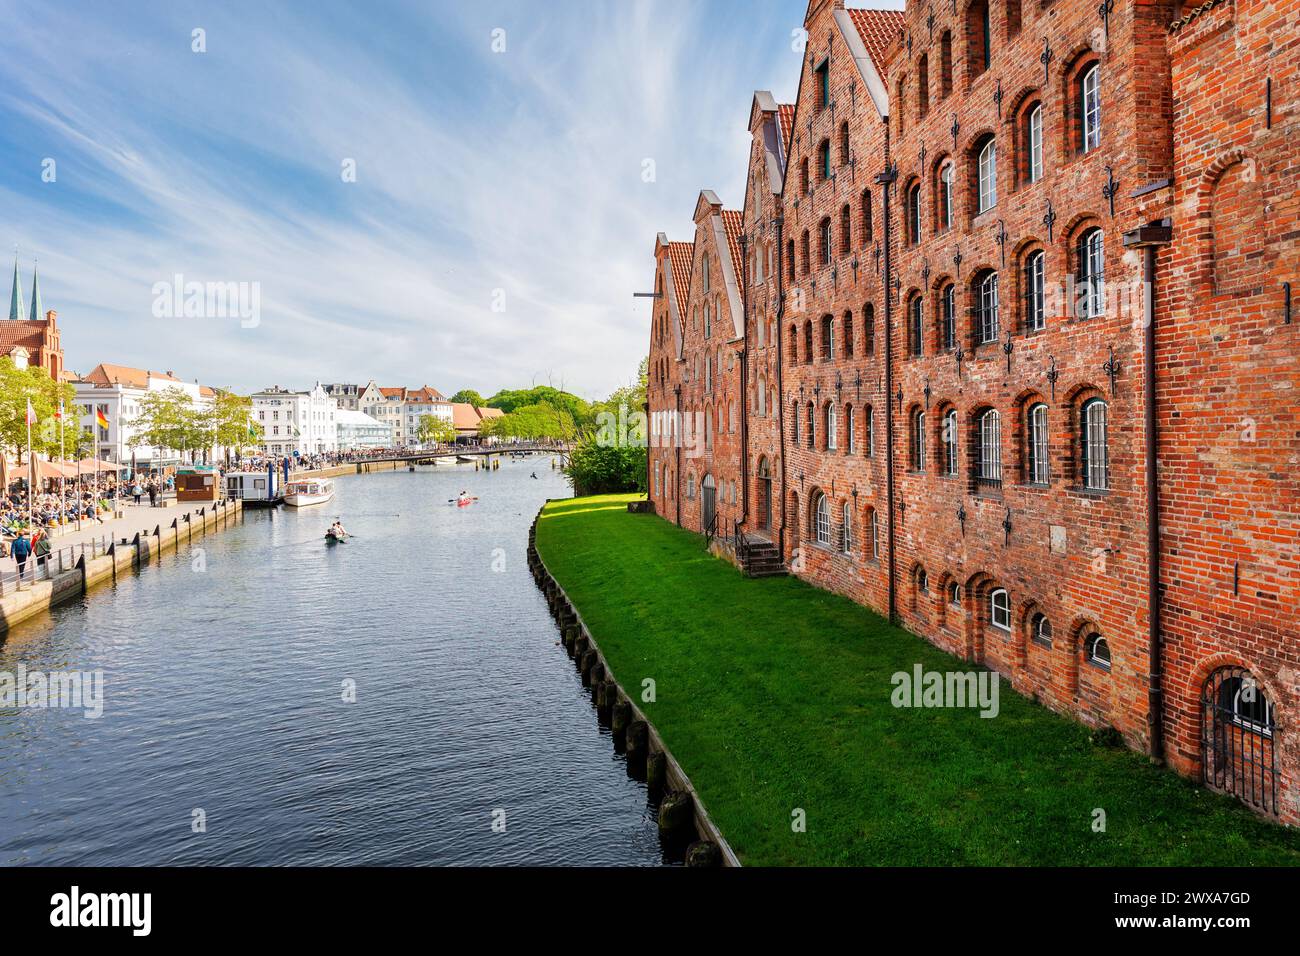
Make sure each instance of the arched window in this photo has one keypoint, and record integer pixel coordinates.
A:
(794, 345)
(704, 272)
(1095, 457)
(922, 581)
(948, 317)
(832, 438)
(923, 85)
(1040, 630)
(850, 430)
(916, 326)
(1034, 144)
(828, 338)
(1035, 292)
(1090, 274)
(945, 63)
(1097, 650)
(979, 37)
(822, 520)
(846, 230)
(949, 440)
(808, 342)
(848, 334)
(866, 216)
(823, 77)
(1000, 609)
(987, 172)
(846, 529)
(989, 450)
(990, 323)
(869, 327)
(1090, 108)
(1036, 470)
(945, 197)
(708, 324)
(954, 594)
(918, 440)
(824, 232)
(873, 532)
(914, 213)
(761, 397)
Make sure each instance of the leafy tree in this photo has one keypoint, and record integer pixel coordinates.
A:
(468, 396)
(168, 419)
(434, 429)
(17, 386)
(598, 469)
(532, 422)
(227, 423)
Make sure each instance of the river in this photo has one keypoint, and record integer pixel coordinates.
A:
(226, 665)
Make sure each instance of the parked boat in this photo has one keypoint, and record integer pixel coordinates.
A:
(306, 492)
(464, 460)
(256, 489)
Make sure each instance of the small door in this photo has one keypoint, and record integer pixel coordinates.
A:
(764, 494)
(710, 510)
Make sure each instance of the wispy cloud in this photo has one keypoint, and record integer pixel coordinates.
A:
(477, 171)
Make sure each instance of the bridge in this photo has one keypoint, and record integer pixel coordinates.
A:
(419, 455)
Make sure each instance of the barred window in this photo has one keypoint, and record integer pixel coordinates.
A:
(1091, 274)
(1036, 444)
(846, 529)
(822, 520)
(948, 318)
(825, 238)
(989, 318)
(918, 440)
(1094, 447)
(831, 427)
(914, 213)
(989, 470)
(1034, 140)
(812, 426)
(916, 330)
(1035, 298)
(1098, 650)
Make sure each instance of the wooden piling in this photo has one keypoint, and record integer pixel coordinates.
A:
(703, 853)
(676, 816)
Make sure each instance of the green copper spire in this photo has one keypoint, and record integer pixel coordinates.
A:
(38, 311)
(16, 299)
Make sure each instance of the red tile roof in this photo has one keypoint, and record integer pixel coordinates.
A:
(785, 112)
(681, 256)
(393, 392)
(732, 222)
(878, 29)
(30, 335)
(424, 396)
(105, 374)
(467, 418)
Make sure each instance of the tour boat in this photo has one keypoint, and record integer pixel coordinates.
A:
(308, 491)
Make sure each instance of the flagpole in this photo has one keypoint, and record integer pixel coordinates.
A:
(63, 461)
(31, 472)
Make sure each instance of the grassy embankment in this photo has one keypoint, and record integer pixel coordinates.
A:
(775, 696)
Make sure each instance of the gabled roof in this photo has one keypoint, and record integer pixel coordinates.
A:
(106, 374)
(732, 221)
(785, 112)
(29, 335)
(424, 395)
(681, 257)
(393, 392)
(466, 416)
(878, 29)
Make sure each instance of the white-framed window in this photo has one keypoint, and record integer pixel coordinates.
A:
(846, 529)
(831, 427)
(945, 197)
(918, 440)
(822, 520)
(949, 318)
(873, 529)
(988, 176)
(1036, 444)
(1090, 107)
(812, 426)
(990, 447)
(950, 442)
(1098, 650)
(1094, 445)
(990, 319)
(922, 581)
(954, 594)
(1041, 630)
(1034, 140)
(1035, 291)
(1000, 609)
(1091, 274)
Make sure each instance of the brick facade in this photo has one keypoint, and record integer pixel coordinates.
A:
(1018, 242)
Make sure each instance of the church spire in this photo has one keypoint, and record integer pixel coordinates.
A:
(16, 298)
(38, 311)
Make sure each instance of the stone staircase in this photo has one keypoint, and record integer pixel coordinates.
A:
(763, 560)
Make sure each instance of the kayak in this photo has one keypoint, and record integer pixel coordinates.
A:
(334, 539)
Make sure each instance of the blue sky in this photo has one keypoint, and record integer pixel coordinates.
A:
(475, 171)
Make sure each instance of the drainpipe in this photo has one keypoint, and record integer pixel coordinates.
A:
(1149, 239)
(744, 381)
(886, 180)
(780, 369)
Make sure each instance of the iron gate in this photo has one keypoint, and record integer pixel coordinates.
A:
(1237, 738)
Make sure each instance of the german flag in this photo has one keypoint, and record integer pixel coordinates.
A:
(100, 418)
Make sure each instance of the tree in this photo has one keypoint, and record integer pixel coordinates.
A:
(467, 396)
(168, 419)
(17, 387)
(229, 422)
(433, 429)
(531, 422)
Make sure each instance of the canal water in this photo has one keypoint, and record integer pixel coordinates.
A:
(225, 671)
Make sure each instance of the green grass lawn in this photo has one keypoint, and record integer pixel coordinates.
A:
(775, 696)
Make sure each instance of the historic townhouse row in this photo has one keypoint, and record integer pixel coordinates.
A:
(1018, 357)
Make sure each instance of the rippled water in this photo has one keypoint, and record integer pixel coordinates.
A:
(223, 691)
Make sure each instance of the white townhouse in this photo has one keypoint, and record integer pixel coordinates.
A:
(305, 423)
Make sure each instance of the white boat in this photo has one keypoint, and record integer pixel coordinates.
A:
(306, 492)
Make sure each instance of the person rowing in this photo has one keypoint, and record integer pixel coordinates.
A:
(337, 531)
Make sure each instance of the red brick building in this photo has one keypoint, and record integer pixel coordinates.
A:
(1036, 371)
(32, 341)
